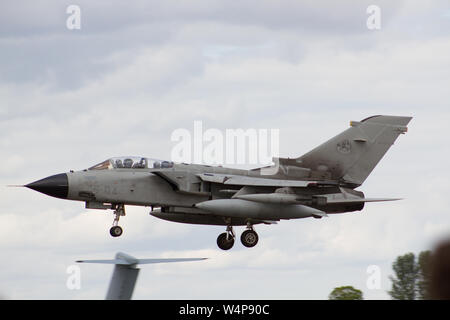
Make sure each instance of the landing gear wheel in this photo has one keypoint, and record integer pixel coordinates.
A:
(225, 241)
(249, 238)
(116, 231)
(119, 210)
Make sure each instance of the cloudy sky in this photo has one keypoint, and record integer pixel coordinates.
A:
(136, 71)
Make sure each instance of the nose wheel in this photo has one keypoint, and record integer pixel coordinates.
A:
(116, 230)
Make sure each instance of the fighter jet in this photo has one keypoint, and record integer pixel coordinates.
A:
(320, 182)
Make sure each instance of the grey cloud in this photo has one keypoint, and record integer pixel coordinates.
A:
(36, 46)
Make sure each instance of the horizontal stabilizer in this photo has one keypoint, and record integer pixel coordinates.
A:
(149, 261)
(355, 200)
(140, 261)
(111, 261)
(124, 259)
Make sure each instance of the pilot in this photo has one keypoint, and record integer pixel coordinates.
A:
(128, 163)
(119, 163)
(143, 162)
(165, 164)
(137, 165)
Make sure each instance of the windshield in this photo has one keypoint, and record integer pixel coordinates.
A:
(132, 163)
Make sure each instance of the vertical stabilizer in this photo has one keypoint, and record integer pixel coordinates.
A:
(353, 154)
(122, 282)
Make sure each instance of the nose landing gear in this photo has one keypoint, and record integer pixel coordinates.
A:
(116, 230)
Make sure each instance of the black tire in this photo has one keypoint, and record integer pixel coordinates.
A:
(224, 243)
(115, 231)
(249, 238)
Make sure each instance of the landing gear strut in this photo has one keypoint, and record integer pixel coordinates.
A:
(225, 240)
(249, 237)
(116, 230)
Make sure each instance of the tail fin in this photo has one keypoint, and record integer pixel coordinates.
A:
(353, 154)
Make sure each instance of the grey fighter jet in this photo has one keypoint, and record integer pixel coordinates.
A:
(320, 182)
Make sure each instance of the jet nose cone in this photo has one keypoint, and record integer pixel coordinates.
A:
(55, 186)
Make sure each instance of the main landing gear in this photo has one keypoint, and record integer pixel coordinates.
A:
(225, 240)
(116, 230)
(249, 238)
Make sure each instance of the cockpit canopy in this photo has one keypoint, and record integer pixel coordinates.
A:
(132, 163)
